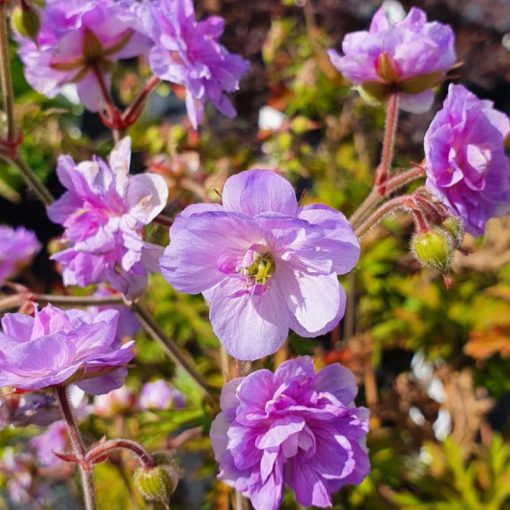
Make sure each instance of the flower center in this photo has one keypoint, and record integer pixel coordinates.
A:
(261, 269)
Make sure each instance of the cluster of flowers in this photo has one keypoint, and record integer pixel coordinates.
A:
(80, 41)
(467, 169)
(264, 263)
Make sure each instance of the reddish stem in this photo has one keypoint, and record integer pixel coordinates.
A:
(430, 209)
(420, 221)
(113, 118)
(131, 114)
(101, 451)
(390, 129)
(374, 198)
(161, 219)
(78, 447)
(402, 202)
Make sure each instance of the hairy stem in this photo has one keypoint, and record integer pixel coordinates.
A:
(111, 109)
(154, 330)
(87, 475)
(132, 113)
(375, 198)
(5, 73)
(404, 201)
(390, 129)
(104, 449)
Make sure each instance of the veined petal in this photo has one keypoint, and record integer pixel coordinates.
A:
(257, 192)
(250, 327)
(316, 303)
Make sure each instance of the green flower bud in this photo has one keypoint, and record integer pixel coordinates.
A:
(157, 483)
(433, 248)
(26, 22)
(455, 228)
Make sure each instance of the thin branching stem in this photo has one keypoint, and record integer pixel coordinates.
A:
(87, 475)
(375, 198)
(5, 73)
(170, 347)
(114, 299)
(401, 202)
(9, 152)
(104, 449)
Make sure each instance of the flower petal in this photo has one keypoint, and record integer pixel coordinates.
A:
(316, 303)
(250, 327)
(257, 192)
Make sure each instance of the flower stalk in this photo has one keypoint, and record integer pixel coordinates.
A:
(9, 145)
(131, 115)
(401, 202)
(112, 120)
(390, 129)
(101, 451)
(43, 299)
(5, 74)
(392, 184)
(87, 475)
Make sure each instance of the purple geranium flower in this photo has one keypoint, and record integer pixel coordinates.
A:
(17, 247)
(78, 40)
(467, 169)
(55, 347)
(264, 263)
(187, 52)
(294, 428)
(159, 395)
(104, 212)
(409, 57)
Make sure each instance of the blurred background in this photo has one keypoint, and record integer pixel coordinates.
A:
(433, 364)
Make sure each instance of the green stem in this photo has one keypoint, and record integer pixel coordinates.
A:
(78, 300)
(30, 179)
(87, 475)
(8, 96)
(5, 73)
(169, 346)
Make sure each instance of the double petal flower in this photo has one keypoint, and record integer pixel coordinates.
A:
(408, 57)
(104, 212)
(294, 428)
(78, 41)
(466, 165)
(57, 347)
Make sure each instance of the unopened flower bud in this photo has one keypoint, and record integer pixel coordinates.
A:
(455, 228)
(433, 249)
(159, 482)
(26, 22)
